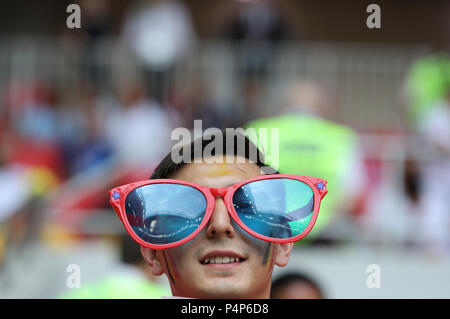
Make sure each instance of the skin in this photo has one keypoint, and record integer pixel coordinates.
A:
(188, 277)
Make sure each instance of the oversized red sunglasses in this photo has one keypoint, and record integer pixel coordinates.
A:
(164, 213)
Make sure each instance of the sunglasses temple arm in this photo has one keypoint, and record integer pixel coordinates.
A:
(115, 206)
(321, 186)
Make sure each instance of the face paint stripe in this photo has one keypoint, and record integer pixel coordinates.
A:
(220, 169)
(169, 268)
(272, 260)
(268, 254)
(272, 248)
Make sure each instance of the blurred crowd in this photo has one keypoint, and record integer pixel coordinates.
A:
(54, 142)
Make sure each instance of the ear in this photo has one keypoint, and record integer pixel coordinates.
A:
(153, 260)
(282, 253)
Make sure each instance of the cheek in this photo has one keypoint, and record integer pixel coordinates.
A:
(262, 248)
(179, 259)
(171, 261)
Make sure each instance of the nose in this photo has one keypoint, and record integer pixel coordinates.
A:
(220, 223)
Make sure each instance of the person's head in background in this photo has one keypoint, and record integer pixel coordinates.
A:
(295, 286)
(188, 273)
(307, 97)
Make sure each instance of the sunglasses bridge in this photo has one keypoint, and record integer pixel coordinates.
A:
(219, 192)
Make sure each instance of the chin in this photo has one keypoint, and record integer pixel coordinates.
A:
(224, 290)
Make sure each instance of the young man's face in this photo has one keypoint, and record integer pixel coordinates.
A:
(189, 276)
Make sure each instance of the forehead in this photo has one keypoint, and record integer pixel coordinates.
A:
(219, 173)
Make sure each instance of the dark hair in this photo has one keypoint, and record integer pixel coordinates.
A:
(167, 166)
(286, 279)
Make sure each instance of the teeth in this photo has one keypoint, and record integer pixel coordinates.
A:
(220, 260)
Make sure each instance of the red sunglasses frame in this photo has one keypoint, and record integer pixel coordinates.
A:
(118, 195)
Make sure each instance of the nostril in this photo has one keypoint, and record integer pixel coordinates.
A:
(220, 223)
(220, 227)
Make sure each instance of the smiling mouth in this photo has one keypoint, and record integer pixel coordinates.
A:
(221, 260)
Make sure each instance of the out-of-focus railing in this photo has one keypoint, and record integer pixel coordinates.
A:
(365, 81)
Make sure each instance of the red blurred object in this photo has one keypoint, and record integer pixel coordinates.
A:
(18, 95)
(38, 154)
(74, 205)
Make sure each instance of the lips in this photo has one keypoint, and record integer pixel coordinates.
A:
(221, 257)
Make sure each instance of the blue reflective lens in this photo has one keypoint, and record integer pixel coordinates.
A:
(276, 208)
(165, 213)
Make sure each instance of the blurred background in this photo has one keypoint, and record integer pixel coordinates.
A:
(86, 109)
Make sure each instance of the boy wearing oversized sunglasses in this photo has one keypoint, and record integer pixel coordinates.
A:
(217, 228)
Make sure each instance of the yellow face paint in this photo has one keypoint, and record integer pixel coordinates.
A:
(220, 169)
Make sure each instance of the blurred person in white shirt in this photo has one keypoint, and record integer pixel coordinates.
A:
(435, 128)
(159, 33)
(136, 121)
